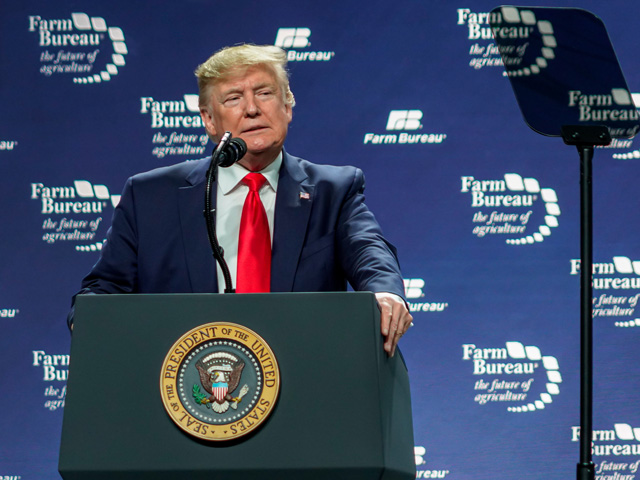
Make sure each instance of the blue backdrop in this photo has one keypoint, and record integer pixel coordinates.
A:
(412, 92)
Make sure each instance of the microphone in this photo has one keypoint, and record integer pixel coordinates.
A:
(230, 150)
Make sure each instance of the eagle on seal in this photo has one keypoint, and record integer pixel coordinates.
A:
(220, 374)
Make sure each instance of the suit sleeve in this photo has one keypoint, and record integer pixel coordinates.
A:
(370, 262)
(116, 270)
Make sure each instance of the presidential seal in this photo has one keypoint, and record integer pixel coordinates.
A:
(219, 381)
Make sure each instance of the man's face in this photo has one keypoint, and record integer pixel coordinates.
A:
(249, 103)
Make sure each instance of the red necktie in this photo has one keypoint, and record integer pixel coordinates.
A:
(254, 243)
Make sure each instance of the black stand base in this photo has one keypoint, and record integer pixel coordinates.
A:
(586, 471)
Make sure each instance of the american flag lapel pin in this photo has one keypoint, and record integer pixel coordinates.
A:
(304, 196)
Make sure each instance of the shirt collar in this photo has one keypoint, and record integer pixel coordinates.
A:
(229, 178)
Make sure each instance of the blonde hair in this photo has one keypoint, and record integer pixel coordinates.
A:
(221, 64)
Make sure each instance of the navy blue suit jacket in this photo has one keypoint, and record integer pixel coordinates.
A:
(158, 239)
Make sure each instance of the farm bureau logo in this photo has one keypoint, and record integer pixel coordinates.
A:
(622, 441)
(55, 368)
(624, 142)
(621, 277)
(484, 53)
(8, 145)
(512, 192)
(509, 23)
(183, 115)
(420, 452)
(515, 367)
(478, 23)
(408, 120)
(83, 35)
(74, 213)
(539, 50)
(617, 106)
(9, 312)
(293, 38)
(219, 381)
(413, 290)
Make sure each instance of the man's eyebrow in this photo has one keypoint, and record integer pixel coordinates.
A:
(262, 85)
(231, 90)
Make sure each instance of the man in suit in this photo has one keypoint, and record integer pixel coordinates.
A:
(322, 235)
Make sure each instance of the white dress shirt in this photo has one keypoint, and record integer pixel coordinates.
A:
(230, 197)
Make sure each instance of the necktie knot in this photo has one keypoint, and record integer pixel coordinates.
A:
(254, 181)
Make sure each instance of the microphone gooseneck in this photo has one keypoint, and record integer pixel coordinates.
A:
(227, 152)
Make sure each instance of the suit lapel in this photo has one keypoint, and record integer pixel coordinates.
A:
(293, 207)
(199, 259)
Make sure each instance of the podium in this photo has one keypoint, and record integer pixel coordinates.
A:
(343, 409)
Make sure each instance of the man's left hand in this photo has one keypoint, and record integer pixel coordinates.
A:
(395, 319)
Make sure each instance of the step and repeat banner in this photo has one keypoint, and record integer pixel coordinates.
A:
(484, 211)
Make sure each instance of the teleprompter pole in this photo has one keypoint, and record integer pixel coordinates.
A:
(585, 138)
(586, 468)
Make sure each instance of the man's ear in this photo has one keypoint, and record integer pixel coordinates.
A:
(207, 120)
(289, 110)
